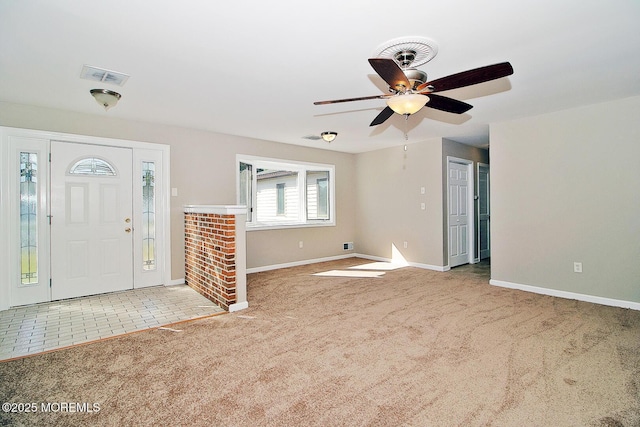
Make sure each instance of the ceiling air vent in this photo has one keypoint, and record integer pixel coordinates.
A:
(312, 137)
(105, 76)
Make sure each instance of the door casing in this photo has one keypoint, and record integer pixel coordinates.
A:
(484, 240)
(13, 139)
(470, 207)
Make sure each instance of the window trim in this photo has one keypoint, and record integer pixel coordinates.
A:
(302, 168)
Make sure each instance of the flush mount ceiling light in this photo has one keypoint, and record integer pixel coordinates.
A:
(407, 103)
(106, 98)
(329, 136)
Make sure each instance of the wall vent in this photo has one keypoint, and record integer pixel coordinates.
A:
(101, 75)
(348, 246)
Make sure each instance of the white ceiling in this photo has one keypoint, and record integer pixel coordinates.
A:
(254, 68)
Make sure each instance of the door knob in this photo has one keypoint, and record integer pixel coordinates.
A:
(128, 229)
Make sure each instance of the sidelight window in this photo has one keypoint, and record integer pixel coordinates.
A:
(28, 218)
(148, 216)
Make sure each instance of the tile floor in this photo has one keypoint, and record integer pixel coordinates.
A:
(41, 327)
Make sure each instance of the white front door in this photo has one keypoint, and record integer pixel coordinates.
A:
(458, 213)
(484, 212)
(91, 219)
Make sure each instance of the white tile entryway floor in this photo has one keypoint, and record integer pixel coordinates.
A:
(48, 326)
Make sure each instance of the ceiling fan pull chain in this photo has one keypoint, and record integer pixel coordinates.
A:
(406, 127)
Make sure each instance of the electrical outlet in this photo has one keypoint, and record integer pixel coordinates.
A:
(577, 267)
(300, 244)
(405, 245)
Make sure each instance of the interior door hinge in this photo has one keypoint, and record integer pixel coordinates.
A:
(49, 157)
(50, 282)
(49, 216)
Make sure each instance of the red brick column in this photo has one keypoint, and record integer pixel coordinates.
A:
(210, 256)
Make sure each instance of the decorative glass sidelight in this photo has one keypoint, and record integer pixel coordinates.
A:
(28, 218)
(148, 216)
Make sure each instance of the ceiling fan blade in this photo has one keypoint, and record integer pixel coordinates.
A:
(468, 78)
(449, 105)
(391, 73)
(382, 117)
(335, 101)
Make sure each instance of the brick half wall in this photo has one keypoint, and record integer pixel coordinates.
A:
(210, 256)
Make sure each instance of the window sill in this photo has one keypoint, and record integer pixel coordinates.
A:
(259, 227)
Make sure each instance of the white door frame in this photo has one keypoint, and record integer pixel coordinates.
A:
(480, 166)
(9, 258)
(470, 204)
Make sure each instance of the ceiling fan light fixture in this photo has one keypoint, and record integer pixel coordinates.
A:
(105, 97)
(329, 136)
(408, 103)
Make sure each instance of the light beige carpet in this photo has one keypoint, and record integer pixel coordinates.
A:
(409, 348)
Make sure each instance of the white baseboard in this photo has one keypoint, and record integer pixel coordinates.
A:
(351, 255)
(440, 268)
(568, 295)
(411, 264)
(297, 263)
(238, 306)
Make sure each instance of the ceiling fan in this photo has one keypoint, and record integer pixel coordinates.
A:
(409, 90)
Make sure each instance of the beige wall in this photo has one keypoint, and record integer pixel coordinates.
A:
(389, 198)
(564, 188)
(388, 202)
(203, 171)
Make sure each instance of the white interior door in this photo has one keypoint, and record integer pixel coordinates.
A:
(91, 225)
(484, 212)
(459, 206)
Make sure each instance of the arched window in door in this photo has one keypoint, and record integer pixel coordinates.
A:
(92, 166)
